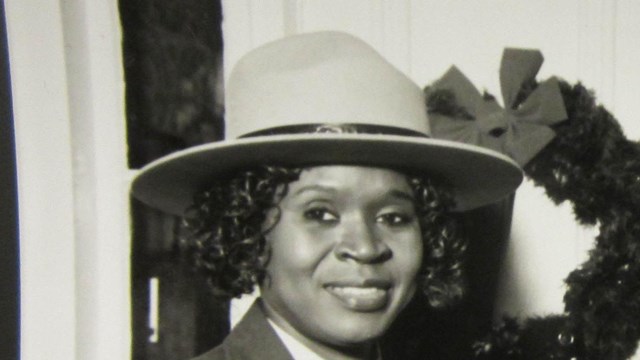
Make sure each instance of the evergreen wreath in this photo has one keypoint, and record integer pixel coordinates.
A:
(586, 160)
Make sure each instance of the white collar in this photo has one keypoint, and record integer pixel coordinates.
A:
(298, 350)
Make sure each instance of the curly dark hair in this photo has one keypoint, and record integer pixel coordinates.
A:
(226, 232)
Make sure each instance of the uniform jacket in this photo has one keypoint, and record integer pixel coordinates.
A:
(251, 339)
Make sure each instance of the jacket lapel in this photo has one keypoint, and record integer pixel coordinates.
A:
(254, 338)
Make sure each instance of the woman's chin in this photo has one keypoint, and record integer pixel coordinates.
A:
(354, 332)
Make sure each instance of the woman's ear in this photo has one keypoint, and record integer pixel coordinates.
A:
(263, 258)
(271, 220)
(265, 255)
(272, 217)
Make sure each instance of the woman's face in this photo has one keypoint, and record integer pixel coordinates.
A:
(344, 254)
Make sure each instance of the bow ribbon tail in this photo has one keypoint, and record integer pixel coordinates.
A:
(545, 105)
(525, 141)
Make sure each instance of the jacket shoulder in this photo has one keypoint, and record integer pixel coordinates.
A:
(252, 339)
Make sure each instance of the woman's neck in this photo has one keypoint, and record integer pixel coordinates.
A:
(367, 351)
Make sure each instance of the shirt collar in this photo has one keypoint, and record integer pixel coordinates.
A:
(300, 351)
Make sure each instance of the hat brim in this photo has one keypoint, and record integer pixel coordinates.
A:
(476, 175)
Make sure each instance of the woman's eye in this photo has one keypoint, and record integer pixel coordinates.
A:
(320, 215)
(395, 219)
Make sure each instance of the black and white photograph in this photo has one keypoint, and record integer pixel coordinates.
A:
(320, 180)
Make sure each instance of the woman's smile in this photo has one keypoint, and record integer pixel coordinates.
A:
(364, 298)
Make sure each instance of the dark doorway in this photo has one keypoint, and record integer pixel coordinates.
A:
(172, 57)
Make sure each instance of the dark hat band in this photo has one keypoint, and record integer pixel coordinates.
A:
(349, 128)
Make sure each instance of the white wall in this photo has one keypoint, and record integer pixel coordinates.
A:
(43, 148)
(73, 181)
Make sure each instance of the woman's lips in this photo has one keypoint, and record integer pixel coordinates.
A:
(367, 296)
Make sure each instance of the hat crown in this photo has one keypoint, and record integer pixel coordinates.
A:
(369, 114)
(320, 78)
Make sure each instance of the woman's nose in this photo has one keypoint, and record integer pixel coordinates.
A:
(359, 241)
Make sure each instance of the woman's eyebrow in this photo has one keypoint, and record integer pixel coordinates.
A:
(315, 187)
(401, 194)
(391, 193)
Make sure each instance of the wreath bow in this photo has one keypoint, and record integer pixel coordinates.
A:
(521, 129)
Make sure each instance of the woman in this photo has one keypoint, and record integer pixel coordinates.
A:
(330, 197)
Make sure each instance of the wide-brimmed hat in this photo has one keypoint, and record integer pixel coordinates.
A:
(319, 99)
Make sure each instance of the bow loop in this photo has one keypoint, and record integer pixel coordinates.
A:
(466, 95)
(521, 129)
(516, 67)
